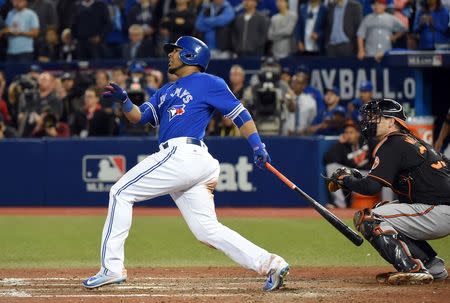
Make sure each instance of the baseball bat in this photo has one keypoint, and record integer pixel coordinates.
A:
(329, 216)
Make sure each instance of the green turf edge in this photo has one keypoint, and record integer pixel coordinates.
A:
(74, 242)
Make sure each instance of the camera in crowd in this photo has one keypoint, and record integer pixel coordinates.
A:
(27, 89)
(136, 82)
(268, 90)
(268, 97)
(136, 93)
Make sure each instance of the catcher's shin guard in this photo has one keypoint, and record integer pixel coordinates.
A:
(419, 249)
(388, 243)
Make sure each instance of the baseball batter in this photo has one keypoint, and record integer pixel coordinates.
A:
(420, 176)
(183, 167)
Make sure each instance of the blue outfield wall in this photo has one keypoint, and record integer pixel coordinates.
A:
(80, 172)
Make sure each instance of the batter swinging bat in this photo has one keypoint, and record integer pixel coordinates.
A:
(329, 216)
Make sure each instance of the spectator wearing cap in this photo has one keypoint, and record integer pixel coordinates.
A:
(214, 23)
(137, 87)
(365, 95)
(249, 33)
(343, 20)
(351, 151)
(136, 79)
(317, 95)
(71, 97)
(139, 47)
(378, 31)
(90, 25)
(432, 25)
(281, 30)
(311, 27)
(35, 71)
(22, 27)
(331, 120)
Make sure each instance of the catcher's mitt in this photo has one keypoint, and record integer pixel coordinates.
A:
(336, 180)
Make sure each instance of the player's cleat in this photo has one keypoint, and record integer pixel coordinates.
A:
(101, 279)
(410, 278)
(275, 278)
(436, 268)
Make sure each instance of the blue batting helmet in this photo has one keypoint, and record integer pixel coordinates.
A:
(333, 89)
(193, 51)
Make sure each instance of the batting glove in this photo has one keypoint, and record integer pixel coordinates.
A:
(261, 156)
(115, 93)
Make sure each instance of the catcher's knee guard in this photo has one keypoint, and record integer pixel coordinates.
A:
(388, 243)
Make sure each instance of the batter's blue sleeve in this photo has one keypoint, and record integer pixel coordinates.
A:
(149, 112)
(221, 98)
(243, 117)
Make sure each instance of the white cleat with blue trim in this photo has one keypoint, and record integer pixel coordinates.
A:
(275, 278)
(101, 279)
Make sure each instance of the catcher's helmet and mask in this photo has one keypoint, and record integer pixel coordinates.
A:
(193, 51)
(372, 112)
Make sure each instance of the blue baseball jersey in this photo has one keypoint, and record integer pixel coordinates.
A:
(327, 115)
(184, 108)
(355, 114)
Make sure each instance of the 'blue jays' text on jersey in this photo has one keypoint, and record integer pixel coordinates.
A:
(184, 108)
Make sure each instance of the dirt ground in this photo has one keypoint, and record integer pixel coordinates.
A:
(356, 284)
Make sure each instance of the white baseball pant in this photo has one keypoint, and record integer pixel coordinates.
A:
(186, 172)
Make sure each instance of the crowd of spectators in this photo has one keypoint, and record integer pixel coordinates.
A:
(282, 101)
(48, 30)
(61, 104)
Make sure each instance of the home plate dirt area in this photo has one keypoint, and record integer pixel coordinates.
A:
(335, 284)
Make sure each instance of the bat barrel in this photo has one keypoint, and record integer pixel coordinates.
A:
(329, 216)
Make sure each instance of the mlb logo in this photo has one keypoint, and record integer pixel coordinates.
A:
(103, 168)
